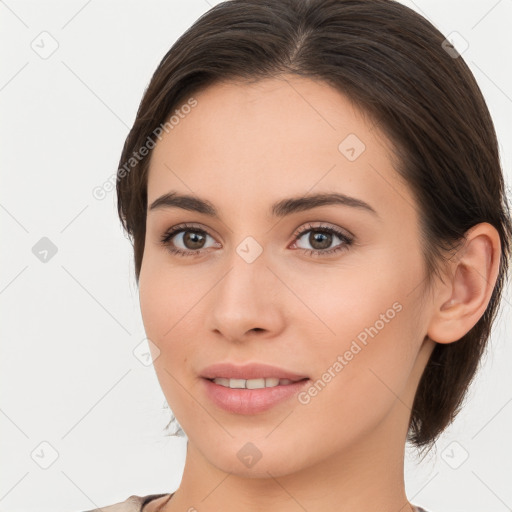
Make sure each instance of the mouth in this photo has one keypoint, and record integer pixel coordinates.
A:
(254, 373)
(267, 382)
(252, 388)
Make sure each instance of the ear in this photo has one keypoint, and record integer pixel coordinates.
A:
(463, 298)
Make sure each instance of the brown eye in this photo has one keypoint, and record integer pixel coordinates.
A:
(193, 240)
(185, 241)
(321, 238)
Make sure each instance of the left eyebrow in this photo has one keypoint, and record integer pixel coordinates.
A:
(281, 208)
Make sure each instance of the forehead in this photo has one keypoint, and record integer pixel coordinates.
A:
(261, 139)
(276, 112)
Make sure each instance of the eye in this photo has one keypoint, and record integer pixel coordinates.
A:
(321, 238)
(190, 240)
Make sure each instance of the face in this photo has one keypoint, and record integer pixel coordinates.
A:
(328, 291)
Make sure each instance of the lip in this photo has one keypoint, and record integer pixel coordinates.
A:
(248, 371)
(250, 401)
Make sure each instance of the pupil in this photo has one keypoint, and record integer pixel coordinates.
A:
(195, 239)
(324, 243)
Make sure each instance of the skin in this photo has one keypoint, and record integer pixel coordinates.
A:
(243, 147)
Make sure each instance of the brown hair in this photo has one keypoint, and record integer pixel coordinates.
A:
(397, 68)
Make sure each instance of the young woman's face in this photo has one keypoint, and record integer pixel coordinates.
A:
(322, 290)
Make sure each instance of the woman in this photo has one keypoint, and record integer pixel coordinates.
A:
(321, 238)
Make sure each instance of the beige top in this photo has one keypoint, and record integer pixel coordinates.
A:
(141, 504)
(137, 504)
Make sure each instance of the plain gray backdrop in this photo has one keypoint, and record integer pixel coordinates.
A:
(81, 410)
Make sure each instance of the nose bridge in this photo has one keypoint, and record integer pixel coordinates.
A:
(245, 296)
(248, 276)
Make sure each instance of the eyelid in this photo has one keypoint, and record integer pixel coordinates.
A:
(192, 226)
(325, 225)
(179, 228)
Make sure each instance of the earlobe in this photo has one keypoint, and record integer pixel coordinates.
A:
(463, 299)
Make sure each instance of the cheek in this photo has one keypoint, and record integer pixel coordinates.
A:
(164, 296)
(169, 304)
(349, 302)
(373, 298)
(161, 313)
(362, 371)
(371, 324)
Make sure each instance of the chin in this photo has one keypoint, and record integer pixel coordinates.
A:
(255, 459)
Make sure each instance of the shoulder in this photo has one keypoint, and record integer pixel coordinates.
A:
(420, 509)
(132, 504)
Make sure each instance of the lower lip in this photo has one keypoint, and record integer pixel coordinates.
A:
(250, 401)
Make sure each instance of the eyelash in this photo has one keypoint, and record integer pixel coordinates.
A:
(170, 233)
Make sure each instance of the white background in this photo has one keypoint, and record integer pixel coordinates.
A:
(69, 326)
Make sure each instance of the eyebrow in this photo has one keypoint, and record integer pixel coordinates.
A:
(281, 208)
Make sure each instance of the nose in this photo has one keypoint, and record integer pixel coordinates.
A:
(247, 301)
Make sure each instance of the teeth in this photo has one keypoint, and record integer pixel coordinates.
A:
(269, 382)
(236, 383)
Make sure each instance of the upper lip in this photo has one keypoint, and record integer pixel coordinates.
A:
(248, 371)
